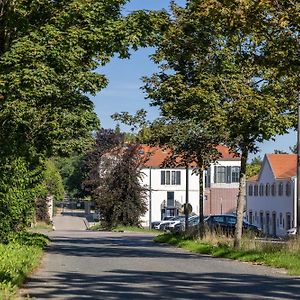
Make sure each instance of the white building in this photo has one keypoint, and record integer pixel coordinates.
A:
(271, 196)
(167, 186)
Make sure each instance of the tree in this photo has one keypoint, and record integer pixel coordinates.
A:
(221, 75)
(191, 144)
(49, 53)
(106, 141)
(70, 170)
(112, 179)
(120, 196)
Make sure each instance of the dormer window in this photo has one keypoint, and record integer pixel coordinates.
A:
(256, 190)
(250, 190)
(273, 189)
(267, 189)
(280, 189)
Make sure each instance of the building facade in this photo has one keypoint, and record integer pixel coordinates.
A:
(167, 186)
(271, 196)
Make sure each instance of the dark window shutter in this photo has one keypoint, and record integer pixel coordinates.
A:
(215, 174)
(162, 178)
(228, 174)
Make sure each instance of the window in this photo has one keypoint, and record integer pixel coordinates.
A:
(267, 189)
(170, 199)
(261, 189)
(170, 177)
(256, 190)
(221, 174)
(280, 189)
(226, 174)
(288, 189)
(235, 174)
(273, 189)
(250, 190)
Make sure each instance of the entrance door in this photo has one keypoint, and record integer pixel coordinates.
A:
(274, 223)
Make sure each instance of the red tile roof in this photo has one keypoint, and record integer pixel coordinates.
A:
(283, 165)
(156, 155)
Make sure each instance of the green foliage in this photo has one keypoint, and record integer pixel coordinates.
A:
(49, 53)
(17, 259)
(51, 188)
(18, 188)
(70, 170)
(219, 70)
(254, 166)
(120, 196)
(112, 179)
(53, 181)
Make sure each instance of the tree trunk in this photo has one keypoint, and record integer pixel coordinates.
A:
(241, 201)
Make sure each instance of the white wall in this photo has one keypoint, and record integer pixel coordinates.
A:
(271, 204)
(159, 192)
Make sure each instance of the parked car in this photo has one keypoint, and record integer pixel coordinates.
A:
(180, 222)
(161, 224)
(193, 221)
(225, 224)
(292, 231)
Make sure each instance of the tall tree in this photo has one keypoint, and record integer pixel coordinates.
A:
(106, 141)
(49, 55)
(120, 197)
(49, 52)
(220, 75)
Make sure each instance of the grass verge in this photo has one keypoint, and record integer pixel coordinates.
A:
(283, 255)
(120, 228)
(17, 259)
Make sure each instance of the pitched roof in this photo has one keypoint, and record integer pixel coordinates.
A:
(283, 165)
(156, 155)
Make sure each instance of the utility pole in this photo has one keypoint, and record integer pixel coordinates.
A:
(298, 170)
(150, 198)
(186, 208)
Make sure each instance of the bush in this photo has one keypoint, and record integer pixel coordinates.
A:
(18, 186)
(17, 259)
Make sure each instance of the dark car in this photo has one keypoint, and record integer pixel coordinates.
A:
(225, 224)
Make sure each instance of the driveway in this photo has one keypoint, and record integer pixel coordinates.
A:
(105, 265)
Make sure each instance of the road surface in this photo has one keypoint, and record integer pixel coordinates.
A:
(105, 265)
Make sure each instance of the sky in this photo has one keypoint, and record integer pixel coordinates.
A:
(124, 93)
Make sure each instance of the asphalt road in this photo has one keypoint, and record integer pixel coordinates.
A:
(103, 265)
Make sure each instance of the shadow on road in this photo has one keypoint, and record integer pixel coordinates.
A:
(119, 246)
(121, 284)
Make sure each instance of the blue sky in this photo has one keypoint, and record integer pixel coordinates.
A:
(124, 94)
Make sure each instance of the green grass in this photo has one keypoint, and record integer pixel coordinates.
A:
(42, 226)
(135, 229)
(285, 256)
(120, 228)
(17, 259)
